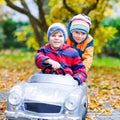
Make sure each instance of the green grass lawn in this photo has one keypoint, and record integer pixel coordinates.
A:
(18, 55)
(97, 62)
(106, 62)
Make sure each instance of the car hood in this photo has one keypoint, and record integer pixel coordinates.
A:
(49, 93)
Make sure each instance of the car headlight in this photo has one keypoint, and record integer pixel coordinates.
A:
(15, 98)
(71, 104)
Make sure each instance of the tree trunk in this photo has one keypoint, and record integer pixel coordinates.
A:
(39, 25)
(38, 35)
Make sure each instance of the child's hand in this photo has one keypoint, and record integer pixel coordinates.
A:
(55, 65)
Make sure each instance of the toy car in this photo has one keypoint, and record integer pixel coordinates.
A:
(47, 97)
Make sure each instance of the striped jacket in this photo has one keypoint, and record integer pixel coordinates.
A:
(85, 50)
(67, 57)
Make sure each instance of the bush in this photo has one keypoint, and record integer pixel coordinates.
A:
(2, 38)
(9, 27)
(113, 46)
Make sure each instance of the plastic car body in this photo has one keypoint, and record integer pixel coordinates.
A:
(47, 96)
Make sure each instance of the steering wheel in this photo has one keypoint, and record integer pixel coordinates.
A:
(52, 71)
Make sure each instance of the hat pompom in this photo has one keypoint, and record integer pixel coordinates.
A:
(57, 26)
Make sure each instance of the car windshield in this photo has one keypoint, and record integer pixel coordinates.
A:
(53, 78)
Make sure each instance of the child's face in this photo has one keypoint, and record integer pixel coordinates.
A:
(56, 40)
(79, 36)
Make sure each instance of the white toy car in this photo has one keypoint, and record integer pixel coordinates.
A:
(47, 97)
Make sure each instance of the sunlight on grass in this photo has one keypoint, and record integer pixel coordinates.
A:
(18, 56)
(106, 62)
(97, 62)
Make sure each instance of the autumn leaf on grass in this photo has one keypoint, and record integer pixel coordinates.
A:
(3, 106)
(94, 103)
(105, 94)
(89, 118)
(2, 86)
(115, 104)
(105, 111)
(115, 92)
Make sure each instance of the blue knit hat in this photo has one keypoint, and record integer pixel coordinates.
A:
(57, 26)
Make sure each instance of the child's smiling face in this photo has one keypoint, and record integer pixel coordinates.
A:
(56, 40)
(78, 36)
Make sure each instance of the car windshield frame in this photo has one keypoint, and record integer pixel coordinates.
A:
(53, 78)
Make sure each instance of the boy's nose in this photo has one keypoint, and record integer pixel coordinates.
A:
(80, 35)
(56, 37)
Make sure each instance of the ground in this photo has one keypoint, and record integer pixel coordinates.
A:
(91, 115)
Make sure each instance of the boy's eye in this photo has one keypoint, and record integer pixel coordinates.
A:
(77, 32)
(57, 35)
(60, 35)
(52, 35)
(83, 33)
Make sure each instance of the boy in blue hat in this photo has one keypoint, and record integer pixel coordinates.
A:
(58, 54)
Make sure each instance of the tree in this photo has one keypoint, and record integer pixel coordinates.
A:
(95, 9)
(113, 46)
(36, 23)
(62, 11)
(2, 38)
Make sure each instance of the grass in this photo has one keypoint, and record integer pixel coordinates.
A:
(17, 55)
(97, 62)
(106, 62)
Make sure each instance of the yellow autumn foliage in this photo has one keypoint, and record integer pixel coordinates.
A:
(2, 1)
(59, 13)
(102, 36)
(53, 2)
(103, 9)
(108, 12)
(21, 35)
(26, 35)
(31, 43)
(119, 3)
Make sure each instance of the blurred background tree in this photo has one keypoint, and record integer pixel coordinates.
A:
(61, 11)
(112, 47)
